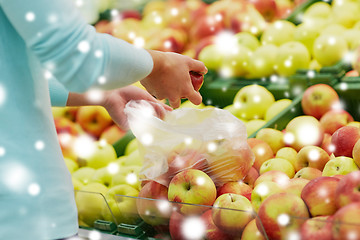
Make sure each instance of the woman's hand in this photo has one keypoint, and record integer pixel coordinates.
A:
(170, 77)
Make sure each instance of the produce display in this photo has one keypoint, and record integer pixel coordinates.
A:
(297, 175)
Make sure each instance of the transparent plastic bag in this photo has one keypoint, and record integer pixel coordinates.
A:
(211, 140)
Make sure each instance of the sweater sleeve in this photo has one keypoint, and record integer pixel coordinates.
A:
(71, 50)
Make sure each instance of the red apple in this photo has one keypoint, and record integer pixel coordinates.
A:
(356, 153)
(251, 177)
(65, 125)
(261, 150)
(267, 8)
(231, 206)
(197, 80)
(240, 188)
(326, 144)
(346, 222)
(319, 196)
(303, 131)
(112, 134)
(352, 73)
(296, 185)
(154, 212)
(318, 228)
(279, 177)
(212, 231)
(93, 119)
(311, 156)
(194, 187)
(335, 119)
(318, 99)
(130, 13)
(308, 173)
(348, 189)
(206, 26)
(344, 140)
(281, 214)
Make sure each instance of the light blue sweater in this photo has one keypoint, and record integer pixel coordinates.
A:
(42, 40)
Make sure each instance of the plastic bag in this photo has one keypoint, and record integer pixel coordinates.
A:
(211, 140)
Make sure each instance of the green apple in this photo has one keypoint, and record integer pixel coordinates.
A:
(287, 153)
(278, 164)
(262, 191)
(71, 165)
(235, 63)
(346, 14)
(274, 137)
(102, 154)
(84, 174)
(329, 49)
(103, 176)
(131, 146)
(277, 107)
(254, 125)
(188, 104)
(77, 184)
(333, 29)
(134, 158)
(318, 14)
(352, 37)
(211, 56)
(262, 61)
(278, 33)
(248, 40)
(233, 110)
(339, 166)
(315, 65)
(252, 101)
(90, 200)
(291, 56)
(306, 34)
(127, 175)
(122, 203)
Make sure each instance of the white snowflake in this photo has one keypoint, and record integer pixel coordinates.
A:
(39, 145)
(34, 189)
(30, 16)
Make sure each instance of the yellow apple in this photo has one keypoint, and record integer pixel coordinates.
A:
(274, 137)
(276, 108)
(287, 153)
(122, 202)
(131, 146)
(90, 200)
(71, 165)
(254, 125)
(127, 175)
(84, 174)
(77, 183)
(102, 154)
(134, 158)
(188, 104)
(278, 164)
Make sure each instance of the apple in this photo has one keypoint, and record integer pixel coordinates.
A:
(154, 212)
(303, 131)
(319, 196)
(239, 188)
(329, 49)
(267, 8)
(93, 119)
(252, 101)
(197, 80)
(317, 228)
(103, 176)
(252, 232)
(326, 144)
(352, 73)
(278, 33)
(333, 29)
(112, 134)
(102, 154)
(188, 104)
(356, 153)
(308, 173)
(339, 166)
(211, 56)
(287, 153)
(261, 150)
(253, 125)
(122, 203)
(262, 191)
(278, 164)
(352, 38)
(275, 214)
(278, 177)
(276, 108)
(192, 186)
(346, 222)
(65, 125)
(251, 177)
(126, 175)
(235, 62)
(104, 26)
(311, 156)
(334, 119)
(306, 34)
(247, 40)
(319, 99)
(291, 56)
(223, 216)
(166, 40)
(296, 185)
(131, 146)
(344, 140)
(316, 11)
(352, 10)
(67, 112)
(212, 231)
(84, 174)
(71, 165)
(90, 201)
(134, 158)
(77, 184)
(348, 189)
(262, 61)
(205, 26)
(273, 137)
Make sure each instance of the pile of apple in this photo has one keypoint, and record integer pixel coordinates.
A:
(187, 26)
(327, 34)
